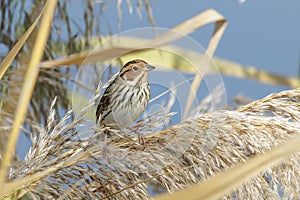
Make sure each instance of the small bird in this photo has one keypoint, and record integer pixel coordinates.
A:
(127, 96)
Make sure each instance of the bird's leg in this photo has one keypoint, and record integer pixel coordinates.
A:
(105, 148)
(141, 140)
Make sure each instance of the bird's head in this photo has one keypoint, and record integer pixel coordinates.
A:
(135, 72)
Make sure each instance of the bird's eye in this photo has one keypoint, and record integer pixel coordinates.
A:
(135, 68)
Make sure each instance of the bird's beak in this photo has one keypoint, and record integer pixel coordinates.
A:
(148, 68)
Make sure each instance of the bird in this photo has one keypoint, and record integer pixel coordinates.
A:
(126, 97)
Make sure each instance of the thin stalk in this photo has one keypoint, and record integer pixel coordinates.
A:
(27, 89)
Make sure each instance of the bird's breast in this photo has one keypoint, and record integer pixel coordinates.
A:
(128, 104)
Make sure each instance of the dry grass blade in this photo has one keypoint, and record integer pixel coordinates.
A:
(149, 13)
(166, 58)
(14, 51)
(192, 24)
(210, 16)
(217, 186)
(237, 70)
(93, 57)
(105, 54)
(27, 89)
(10, 188)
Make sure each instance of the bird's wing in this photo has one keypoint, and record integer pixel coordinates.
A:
(102, 106)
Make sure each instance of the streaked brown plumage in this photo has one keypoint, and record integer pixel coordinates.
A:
(126, 98)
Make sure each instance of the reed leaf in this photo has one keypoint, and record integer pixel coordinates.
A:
(17, 47)
(27, 89)
(168, 57)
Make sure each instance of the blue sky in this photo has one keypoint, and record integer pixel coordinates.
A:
(264, 34)
(261, 33)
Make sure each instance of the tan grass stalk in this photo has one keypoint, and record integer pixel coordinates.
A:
(187, 27)
(213, 43)
(15, 50)
(27, 89)
(167, 58)
(237, 70)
